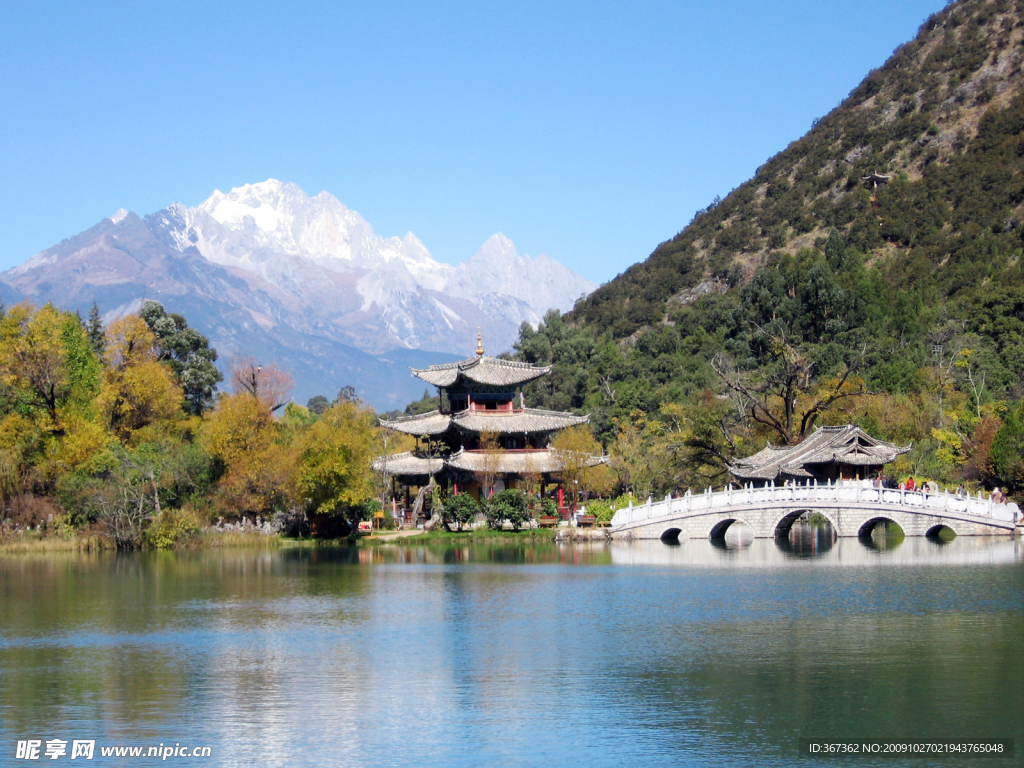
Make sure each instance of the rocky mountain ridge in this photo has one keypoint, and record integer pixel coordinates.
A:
(266, 270)
(928, 125)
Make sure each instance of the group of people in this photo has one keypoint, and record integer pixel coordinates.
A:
(929, 486)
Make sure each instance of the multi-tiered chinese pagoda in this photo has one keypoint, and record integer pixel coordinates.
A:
(482, 432)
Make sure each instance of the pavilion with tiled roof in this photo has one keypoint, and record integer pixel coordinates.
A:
(488, 371)
(829, 454)
(478, 401)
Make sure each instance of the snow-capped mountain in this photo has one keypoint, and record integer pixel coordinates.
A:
(266, 270)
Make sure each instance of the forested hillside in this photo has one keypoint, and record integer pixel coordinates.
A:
(870, 272)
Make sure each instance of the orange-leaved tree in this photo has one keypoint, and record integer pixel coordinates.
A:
(257, 471)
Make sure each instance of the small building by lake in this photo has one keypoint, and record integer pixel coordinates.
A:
(829, 454)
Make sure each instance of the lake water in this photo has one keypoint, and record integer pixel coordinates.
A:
(524, 655)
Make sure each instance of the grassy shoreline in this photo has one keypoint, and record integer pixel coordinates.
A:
(478, 535)
(212, 538)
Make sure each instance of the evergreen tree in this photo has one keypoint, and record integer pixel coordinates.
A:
(1008, 451)
(318, 404)
(95, 330)
(187, 351)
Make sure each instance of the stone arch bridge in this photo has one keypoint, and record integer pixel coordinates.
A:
(853, 510)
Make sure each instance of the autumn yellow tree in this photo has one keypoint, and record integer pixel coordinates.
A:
(640, 456)
(258, 471)
(49, 377)
(138, 389)
(46, 362)
(577, 452)
(334, 457)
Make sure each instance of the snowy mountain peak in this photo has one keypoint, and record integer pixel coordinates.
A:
(275, 259)
(258, 227)
(497, 268)
(267, 203)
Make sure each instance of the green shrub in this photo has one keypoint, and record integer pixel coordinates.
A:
(601, 509)
(171, 528)
(510, 505)
(460, 509)
(546, 508)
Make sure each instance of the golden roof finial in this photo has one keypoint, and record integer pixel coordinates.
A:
(479, 342)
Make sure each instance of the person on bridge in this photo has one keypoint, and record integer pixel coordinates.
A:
(911, 485)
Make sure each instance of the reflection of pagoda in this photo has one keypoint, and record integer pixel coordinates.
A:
(478, 399)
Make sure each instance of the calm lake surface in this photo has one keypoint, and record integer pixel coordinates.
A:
(524, 655)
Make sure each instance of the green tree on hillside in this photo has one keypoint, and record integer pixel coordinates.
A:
(188, 353)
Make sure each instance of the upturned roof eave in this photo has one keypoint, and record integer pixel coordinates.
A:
(823, 446)
(526, 421)
(430, 423)
(490, 371)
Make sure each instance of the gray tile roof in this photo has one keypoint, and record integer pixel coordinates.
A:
(407, 463)
(514, 462)
(482, 370)
(848, 445)
(524, 421)
(432, 423)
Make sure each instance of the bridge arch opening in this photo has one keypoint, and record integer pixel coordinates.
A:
(940, 533)
(881, 533)
(784, 526)
(798, 537)
(731, 534)
(880, 526)
(671, 536)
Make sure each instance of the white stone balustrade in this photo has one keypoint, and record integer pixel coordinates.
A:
(885, 502)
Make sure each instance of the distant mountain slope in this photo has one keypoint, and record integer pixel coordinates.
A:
(268, 271)
(942, 118)
(872, 272)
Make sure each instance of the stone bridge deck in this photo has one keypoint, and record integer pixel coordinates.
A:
(852, 509)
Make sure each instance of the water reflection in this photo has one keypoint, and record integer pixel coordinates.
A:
(807, 540)
(817, 547)
(602, 654)
(731, 535)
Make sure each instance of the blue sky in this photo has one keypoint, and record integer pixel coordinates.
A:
(587, 131)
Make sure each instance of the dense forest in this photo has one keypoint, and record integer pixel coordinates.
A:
(118, 435)
(870, 273)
